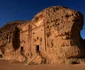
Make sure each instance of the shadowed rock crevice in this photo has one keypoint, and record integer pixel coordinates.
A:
(16, 39)
(54, 32)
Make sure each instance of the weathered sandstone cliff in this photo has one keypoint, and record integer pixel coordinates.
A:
(61, 28)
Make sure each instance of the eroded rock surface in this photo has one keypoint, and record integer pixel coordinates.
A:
(7, 37)
(63, 42)
(63, 28)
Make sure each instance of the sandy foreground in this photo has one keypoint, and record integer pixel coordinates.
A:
(6, 65)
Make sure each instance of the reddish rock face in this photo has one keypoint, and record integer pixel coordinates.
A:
(63, 28)
(54, 33)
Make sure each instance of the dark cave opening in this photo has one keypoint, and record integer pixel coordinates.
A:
(37, 49)
(1, 56)
(16, 39)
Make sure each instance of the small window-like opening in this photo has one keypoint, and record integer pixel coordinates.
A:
(37, 48)
(1, 56)
(21, 50)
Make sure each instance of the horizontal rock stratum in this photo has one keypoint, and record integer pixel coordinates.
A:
(52, 36)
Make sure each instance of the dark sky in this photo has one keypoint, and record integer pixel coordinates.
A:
(11, 10)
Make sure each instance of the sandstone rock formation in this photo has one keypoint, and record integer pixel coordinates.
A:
(52, 36)
(7, 35)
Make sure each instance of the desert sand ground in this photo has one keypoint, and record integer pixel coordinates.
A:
(6, 65)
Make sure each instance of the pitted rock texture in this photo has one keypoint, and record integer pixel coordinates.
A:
(7, 44)
(63, 28)
(62, 31)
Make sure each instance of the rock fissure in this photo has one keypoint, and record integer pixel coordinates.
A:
(56, 32)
